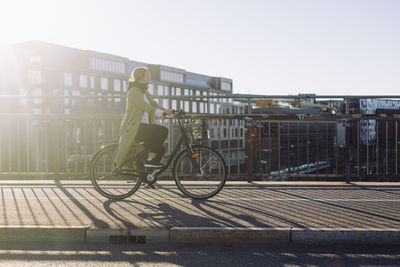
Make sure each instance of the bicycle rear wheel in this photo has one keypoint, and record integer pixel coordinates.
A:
(209, 181)
(110, 183)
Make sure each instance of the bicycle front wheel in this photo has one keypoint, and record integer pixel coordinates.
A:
(108, 182)
(205, 182)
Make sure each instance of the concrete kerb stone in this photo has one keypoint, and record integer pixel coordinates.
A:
(345, 236)
(229, 234)
(43, 233)
(202, 235)
(140, 235)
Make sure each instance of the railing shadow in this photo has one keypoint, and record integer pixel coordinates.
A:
(241, 206)
(96, 221)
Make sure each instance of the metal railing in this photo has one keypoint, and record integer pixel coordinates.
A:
(254, 146)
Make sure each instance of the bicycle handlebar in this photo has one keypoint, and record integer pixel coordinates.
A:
(177, 114)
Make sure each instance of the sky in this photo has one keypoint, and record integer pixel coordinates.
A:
(270, 47)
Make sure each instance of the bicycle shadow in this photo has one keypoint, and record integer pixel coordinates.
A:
(157, 215)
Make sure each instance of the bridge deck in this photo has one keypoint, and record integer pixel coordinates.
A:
(239, 204)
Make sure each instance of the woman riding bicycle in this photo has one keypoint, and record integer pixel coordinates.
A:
(138, 124)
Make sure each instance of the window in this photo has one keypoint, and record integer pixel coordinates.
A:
(187, 106)
(171, 76)
(35, 76)
(194, 107)
(212, 108)
(66, 99)
(107, 65)
(174, 106)
(214, 99)
(67, 79)
(117, 85)
(83, 81)
(201, 107)
(226, 86)
(186, 92)
(165, 103)
(104, 83)
(91, 82)
(124, 86)
(151, 89)
(75, 97)
(160, 90)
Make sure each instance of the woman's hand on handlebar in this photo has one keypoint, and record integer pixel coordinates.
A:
(169, 113)
(172, 114)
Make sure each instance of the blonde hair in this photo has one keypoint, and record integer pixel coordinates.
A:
(137, 74)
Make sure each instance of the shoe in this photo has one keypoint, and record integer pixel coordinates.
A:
(152, 164)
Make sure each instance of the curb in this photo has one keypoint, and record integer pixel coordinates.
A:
(127, 235)
(200, 235)
(43, 233)
(348, 236)
(286, 235)
(229, 234)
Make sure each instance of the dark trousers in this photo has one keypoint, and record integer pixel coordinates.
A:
(153, 136)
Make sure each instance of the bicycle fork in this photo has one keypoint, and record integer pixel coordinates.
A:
(192, 157)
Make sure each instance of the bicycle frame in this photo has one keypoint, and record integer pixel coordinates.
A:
(183, 139)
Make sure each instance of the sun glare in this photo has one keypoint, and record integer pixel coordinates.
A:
(27, 20)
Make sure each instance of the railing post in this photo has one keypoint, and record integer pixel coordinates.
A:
(250, 156)
(55, 133)
(250, 143)
(348, 157)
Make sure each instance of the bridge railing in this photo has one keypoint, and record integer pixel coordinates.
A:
(254, 146)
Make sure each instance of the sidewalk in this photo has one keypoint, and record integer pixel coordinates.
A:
(296, 212)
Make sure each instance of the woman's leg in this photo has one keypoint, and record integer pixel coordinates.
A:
(153, 136)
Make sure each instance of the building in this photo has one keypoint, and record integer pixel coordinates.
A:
(62, 80)
(376, 140)
(43, 78)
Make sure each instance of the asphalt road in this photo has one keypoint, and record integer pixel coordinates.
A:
(262, 204)
(95, 254)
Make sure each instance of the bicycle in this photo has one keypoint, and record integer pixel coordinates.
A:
(199, 171)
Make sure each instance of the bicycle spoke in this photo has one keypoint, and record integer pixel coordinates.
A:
(116, 186)
(211, 180)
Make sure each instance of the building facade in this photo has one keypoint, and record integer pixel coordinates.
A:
(43, 78)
